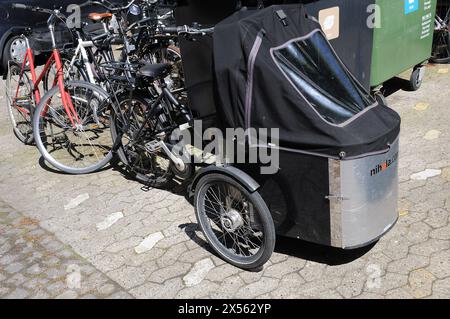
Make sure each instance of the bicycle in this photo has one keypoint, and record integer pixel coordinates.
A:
(148, 114)
(68, 122)
(22, 83)
(441, 42)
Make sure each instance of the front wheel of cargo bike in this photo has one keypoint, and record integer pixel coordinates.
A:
(236, 223)
(81, 149)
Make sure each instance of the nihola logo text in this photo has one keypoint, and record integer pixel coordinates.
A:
(384, 166)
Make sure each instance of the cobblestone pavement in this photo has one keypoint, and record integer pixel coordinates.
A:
(145, 242)
(34, 264)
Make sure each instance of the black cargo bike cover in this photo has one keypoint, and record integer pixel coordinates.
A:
(274, 68)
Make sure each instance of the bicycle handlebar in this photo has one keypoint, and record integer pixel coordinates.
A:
(19, 6)
(109, 8)
(36, 9)
(186, 30)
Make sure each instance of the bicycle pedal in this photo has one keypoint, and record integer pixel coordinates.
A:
(153, 146)
(23, 102)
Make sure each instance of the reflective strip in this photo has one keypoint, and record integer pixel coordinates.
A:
(250, 67)
(318, 154)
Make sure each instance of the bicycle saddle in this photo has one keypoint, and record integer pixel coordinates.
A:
(154, 71)
(97, 17)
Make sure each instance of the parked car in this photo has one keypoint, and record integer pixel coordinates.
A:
(13, 22)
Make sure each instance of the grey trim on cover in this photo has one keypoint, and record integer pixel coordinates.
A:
(325, 155)
(251, 67)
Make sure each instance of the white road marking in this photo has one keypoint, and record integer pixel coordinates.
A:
(77, 201)
(198, 272)
(426, 174)
(432, 135)
(109, 221)
(148, 243)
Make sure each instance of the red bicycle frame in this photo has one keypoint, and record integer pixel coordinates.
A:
(59, 80)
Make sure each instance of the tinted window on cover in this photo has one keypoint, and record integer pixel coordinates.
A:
(315, 71)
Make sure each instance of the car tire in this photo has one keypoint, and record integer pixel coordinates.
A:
(14, 49)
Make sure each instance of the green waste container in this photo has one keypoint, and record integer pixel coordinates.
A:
(402, 40)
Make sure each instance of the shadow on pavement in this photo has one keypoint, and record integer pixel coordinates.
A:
(295, 248)
(394, 85)
(318, 253)
(43, 165)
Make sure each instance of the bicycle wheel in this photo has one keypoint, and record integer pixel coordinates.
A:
(149, 166)
(19, 97)
(236, 223)
(441, 47)
(70, 73)
(75, 149)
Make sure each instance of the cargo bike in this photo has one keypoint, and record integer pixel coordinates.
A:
(336, 182)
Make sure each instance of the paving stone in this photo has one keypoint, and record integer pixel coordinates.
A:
(16, 280)
(312, 271)
(56, 288)
(418, 232)
(55, 273)
(120, 295)
(17, 294)
(4, 291)
(14, 267)
(440, 264)
(399, 293)
(8, 259)
(228, 287)
(285, 267)
(171, 255)
(421, 283)
(129, 277)
(429, 247)
(36, 284)
(152, 290)
(201, 290)
(441, 288)
(34, 270)
(264, 285)
(290, 287)
(353, 284)
(69, 294)
(198, 272)
(107, 289)
(441, 233)
(164, 274)
(387, 283)
(408, 264)
(437, 217)
(222, 272)
(51, 261)
(315, 289)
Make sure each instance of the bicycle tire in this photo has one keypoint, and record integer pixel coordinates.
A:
(38, 136)
(259, 208)
(27, 138)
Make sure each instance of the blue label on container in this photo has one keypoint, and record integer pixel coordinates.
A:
(411, 6)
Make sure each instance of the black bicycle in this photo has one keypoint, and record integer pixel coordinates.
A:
(441, 43)
(142, 124)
